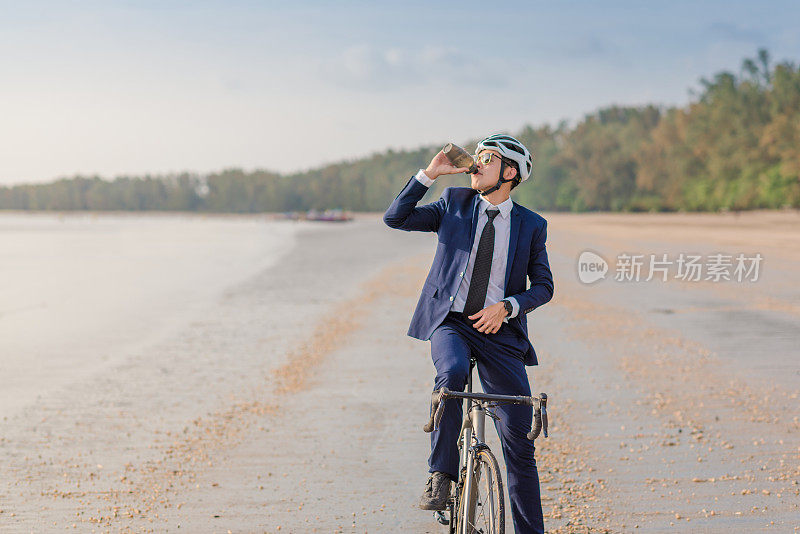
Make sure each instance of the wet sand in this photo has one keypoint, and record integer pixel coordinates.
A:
(295, 403)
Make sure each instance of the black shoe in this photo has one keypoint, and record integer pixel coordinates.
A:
(436, 492)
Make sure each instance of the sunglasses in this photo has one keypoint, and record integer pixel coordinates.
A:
(486, 158)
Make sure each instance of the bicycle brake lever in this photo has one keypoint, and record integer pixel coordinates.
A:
(492, 415)
(544, 413)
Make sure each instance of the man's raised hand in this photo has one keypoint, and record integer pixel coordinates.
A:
(440, 165)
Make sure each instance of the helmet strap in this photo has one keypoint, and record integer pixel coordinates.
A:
(500, 180)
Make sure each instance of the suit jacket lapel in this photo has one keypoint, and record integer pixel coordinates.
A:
(476, 201)
(512, 240)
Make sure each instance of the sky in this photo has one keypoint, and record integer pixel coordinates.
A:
(129, 88)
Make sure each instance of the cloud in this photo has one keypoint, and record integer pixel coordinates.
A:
(370, 68)
(360, 63)
(395, 56)
(737, 33)
(586, 46)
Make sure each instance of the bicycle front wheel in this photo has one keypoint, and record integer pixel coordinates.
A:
(483, 511)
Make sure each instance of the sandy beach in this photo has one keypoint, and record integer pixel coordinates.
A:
(284, 396)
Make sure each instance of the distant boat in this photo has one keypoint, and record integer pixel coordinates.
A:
(328, 216)
(315, 215)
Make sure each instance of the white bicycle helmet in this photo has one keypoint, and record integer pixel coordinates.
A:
(509, 148)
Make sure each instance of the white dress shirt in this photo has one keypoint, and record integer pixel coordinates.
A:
(502, 234)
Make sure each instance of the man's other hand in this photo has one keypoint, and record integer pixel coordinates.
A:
(441, 165)
(490, 319)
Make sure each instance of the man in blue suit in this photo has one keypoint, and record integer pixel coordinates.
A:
(474, 303)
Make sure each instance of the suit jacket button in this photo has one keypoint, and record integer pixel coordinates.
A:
(451, 299)
(462, 274)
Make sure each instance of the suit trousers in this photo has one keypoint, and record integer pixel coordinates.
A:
(501, 370)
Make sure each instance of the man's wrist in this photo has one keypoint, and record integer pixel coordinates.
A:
(430, 174)
(514, 306)
(423, 178)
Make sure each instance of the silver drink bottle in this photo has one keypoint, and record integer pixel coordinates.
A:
(460, 157)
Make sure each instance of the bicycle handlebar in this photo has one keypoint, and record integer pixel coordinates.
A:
(539, 406)
(437, 409)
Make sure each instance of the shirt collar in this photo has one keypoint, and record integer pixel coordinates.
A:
(504, 207)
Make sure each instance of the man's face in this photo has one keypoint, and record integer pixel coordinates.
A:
(487, 175)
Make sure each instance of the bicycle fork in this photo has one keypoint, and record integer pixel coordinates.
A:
(476, 419)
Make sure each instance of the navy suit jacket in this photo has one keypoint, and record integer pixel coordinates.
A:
(454, 218)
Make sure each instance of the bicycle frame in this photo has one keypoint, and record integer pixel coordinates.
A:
(474, 421)
(472, 439)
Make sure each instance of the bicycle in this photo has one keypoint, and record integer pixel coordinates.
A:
(476, 502)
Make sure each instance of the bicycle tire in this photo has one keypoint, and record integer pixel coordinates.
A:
(454, 510)
(485, 506)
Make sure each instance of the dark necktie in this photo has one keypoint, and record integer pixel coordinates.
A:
(476, 296)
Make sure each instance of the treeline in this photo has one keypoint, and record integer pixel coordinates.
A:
(735, 146)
